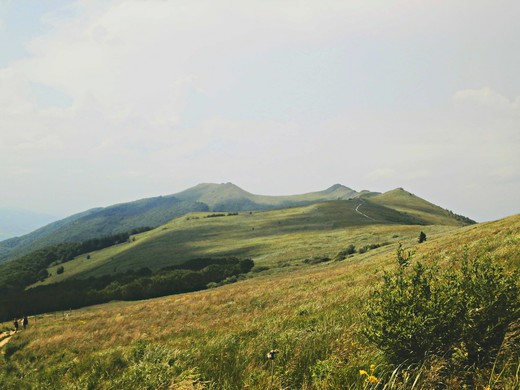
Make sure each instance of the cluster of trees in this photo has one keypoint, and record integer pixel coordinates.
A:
(192, 275)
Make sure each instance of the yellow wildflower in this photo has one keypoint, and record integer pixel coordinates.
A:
(372, 367)
(363, 372)
(372, 379)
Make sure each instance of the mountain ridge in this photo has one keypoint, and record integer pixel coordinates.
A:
(155, 211)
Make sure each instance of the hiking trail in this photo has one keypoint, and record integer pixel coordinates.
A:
(8, 335)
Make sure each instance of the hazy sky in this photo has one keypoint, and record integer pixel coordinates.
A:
(109, 101)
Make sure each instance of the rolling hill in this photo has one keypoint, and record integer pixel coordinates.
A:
(229, 197)
(410, 204)
(155, 211)
(272, 237)
(100, 222)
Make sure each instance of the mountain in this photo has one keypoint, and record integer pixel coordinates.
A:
(279, 238)
(16, 222)
(153, 212)
(264, 236)
(229, 197)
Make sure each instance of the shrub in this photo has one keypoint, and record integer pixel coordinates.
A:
(422, 237)
(316, 260)
(349, 250)
(367, 248)
(462, 312)
(60, 270)
(259, 268)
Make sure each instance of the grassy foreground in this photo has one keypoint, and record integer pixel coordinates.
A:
(218, 339)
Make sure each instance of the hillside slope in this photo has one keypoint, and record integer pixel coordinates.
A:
(408, 203)
(268, 237)
(156, 211)
(227, 197)
(100, 222)
(18, 246)
(16, 222)
(219, 338)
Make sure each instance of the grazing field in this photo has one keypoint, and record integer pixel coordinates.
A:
(219, 338)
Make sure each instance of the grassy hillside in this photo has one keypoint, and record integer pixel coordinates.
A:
(207, 197)
(15, 222)
(410, 204)
(11, 247)
(271, 238)
(100, 222)
(156, 211)
(218, 339)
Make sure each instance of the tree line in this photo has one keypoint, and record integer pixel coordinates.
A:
(192, 275)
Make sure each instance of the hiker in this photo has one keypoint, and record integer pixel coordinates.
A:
(25, 322)
(15, 323)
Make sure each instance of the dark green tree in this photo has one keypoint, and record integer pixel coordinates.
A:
(422, 237)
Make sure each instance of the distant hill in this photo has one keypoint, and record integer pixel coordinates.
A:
(268, 236)
(229, 197)
(100, 222)
(153, 212)
(412, 205)
(156, 211)
(16, 222)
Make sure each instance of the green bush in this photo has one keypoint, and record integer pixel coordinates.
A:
(316, 260)
(349, 250)
(462, 312)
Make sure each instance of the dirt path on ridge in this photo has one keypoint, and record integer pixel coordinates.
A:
(364, 215)
(6, 340)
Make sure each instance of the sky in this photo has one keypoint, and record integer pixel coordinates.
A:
(104, 102)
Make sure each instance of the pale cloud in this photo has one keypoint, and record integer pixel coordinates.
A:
(145, 98)
(489, 98)
(382, 174)
(13, 93)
